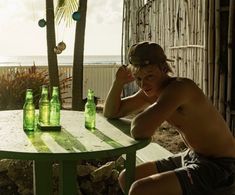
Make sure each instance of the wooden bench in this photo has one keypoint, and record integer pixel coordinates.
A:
(151, 152)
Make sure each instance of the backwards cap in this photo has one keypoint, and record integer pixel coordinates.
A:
(145, 53)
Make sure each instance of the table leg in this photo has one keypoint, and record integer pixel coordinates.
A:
(42, 177)
(68, 178)
(130, 170)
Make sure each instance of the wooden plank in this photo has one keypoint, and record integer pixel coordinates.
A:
(152, 152)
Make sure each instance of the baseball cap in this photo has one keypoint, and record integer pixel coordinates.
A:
(144, 53)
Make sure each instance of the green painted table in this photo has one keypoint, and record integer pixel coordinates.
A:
(73, 143)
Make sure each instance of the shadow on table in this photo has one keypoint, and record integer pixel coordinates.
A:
(123, 124)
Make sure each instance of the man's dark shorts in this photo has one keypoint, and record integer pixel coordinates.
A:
(200, 175)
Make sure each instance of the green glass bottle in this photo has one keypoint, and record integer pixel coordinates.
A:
(44, 107)
(28, 111)
(55, 107)
(90, 111)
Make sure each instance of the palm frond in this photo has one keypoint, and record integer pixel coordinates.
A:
(64, 11)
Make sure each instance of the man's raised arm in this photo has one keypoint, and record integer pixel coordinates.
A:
(113, 102)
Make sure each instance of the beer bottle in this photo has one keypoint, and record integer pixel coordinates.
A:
(28, 111)
(44, 107)
(90, 111)
(55, 107)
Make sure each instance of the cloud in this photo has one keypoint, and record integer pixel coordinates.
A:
(21, 10)
(21, 35)
(104, 11)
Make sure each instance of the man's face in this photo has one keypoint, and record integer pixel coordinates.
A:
(149, 79)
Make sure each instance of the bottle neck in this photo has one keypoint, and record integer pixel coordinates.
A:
(55, 95)
(29, 99)
(90, 98)
(55, 92)
(44, 91)
(29, 96)
(90, 95)
(44, 96)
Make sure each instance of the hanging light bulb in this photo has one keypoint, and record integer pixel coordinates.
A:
(42, 22)
(61, 46)
(76, 16)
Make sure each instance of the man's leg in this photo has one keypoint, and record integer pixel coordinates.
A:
(165, 183)
(147, 172)
(141, 171)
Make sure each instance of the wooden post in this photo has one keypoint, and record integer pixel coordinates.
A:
(211, 49)
(206, 64)
(230, 63)
(217, 53)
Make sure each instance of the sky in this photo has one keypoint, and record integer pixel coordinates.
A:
(20, 34)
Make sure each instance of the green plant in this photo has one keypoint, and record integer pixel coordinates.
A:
(13, 86)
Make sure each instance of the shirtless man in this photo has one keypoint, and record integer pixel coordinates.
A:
(208, 166)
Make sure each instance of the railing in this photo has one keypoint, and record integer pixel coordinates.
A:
(97, 77)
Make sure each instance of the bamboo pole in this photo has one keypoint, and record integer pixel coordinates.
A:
(222, 93)
(150, 26)
(127, 17)
(222, 85)
(184, 34)
(206, 64)
(167, 28)
(174, 10)
(197, 42)
(211, 48)
(173, 22)
(153, 23)
(187, 46)
(193, 52)
(217, 53)
(172, 30)
(201, 42)
(230, 53)
(158, 22)
(164, 25)
(123, 35)
(179, 41)
(199, 27)
(189, 20)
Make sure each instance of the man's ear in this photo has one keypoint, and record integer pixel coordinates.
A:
(163, 69)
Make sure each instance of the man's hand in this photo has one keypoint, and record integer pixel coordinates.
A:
(124, 75)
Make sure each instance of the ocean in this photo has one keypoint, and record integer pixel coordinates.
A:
(62, 60)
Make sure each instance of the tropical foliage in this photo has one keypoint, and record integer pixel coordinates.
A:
(13, 86)
(64, 11)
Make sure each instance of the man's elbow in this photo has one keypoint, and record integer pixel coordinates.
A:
(140, 133)
(109, 115)
(141, 130)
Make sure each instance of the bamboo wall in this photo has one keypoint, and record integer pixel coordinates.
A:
(197, 35)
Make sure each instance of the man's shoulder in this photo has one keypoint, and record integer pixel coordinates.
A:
(183, 88)
(182, 83)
